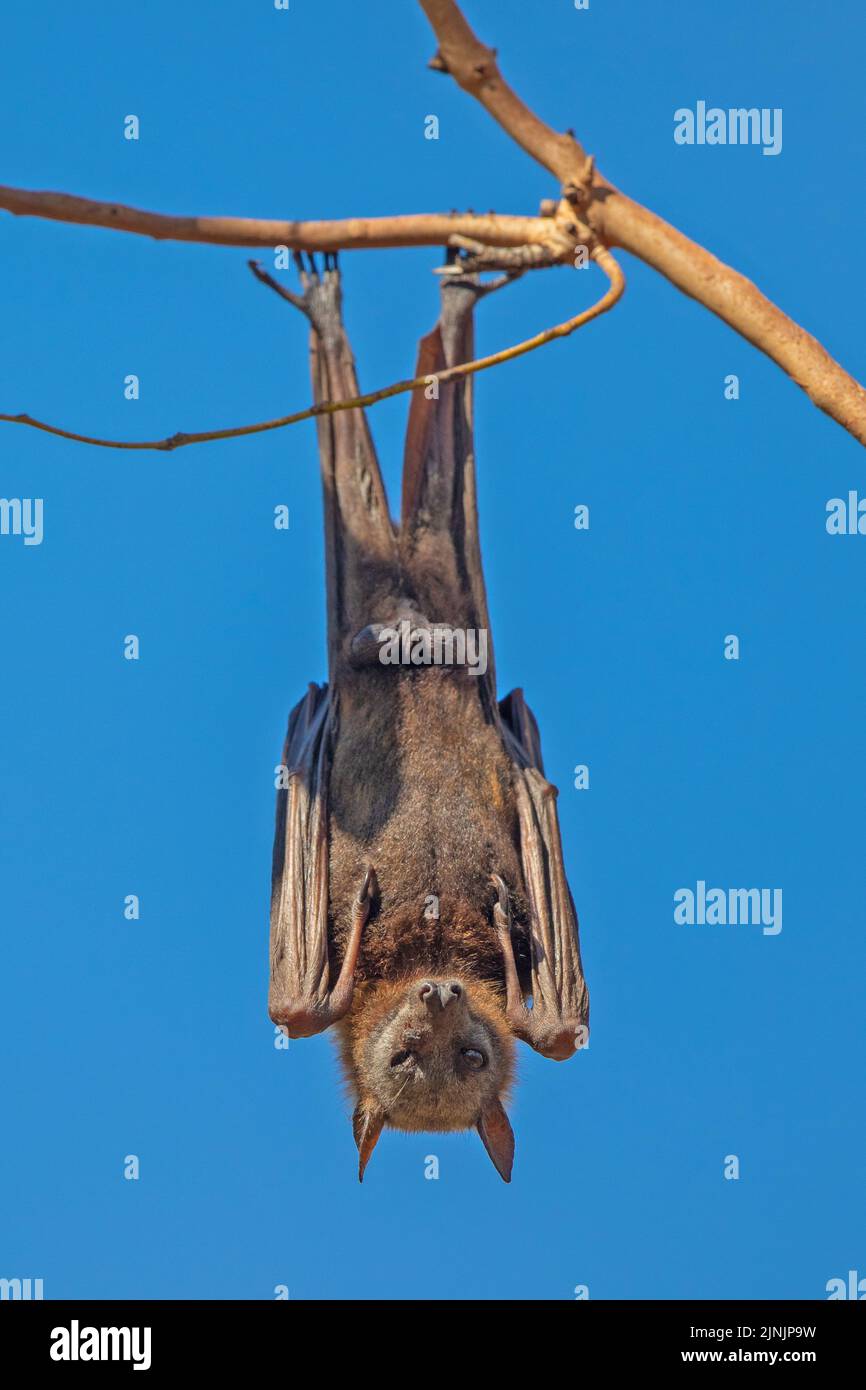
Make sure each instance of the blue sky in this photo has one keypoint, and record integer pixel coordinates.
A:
(156, 777)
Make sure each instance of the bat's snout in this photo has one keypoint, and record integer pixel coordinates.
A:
(438, 995)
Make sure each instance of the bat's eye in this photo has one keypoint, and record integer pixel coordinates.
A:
(399, 1058)
(473, 1058)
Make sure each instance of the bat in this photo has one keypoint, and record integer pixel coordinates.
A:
(419, 896)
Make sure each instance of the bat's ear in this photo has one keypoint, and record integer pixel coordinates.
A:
(497, 1137)
(367, 1123)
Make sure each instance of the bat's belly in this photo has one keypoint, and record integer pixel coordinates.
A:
(420, 789)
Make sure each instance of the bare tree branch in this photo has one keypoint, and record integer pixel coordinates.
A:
(619, 221)
(473, 66)
(591, 211)
(349, 234)
(177, 441)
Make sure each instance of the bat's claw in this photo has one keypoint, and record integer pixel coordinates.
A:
(368, 888)
(501, 911)
(309, 274)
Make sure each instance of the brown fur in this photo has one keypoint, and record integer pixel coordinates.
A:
(420, 788)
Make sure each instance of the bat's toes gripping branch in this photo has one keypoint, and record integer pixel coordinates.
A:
(322, 300)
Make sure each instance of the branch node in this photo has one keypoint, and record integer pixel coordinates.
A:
(578, 190)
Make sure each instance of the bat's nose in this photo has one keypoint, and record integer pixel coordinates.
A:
(438, 996)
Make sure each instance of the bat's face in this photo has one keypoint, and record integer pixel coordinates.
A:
(433, 1053)
(437, 1059)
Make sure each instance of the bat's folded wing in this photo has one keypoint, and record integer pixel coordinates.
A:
(299, 998)
(558, 1021)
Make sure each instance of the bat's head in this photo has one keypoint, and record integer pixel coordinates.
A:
(431, 1053)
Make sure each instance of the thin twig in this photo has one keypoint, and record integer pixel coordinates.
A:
(177, 441)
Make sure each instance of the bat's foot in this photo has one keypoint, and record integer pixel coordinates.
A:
(322, 293)
(462, 269)
(321, 299)
(460, 290)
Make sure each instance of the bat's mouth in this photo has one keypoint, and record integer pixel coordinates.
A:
(433, 1114)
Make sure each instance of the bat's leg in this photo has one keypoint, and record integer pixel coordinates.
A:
(360, 543)
(439, 532)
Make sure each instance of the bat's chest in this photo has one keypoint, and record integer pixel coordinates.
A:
(454, 795)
